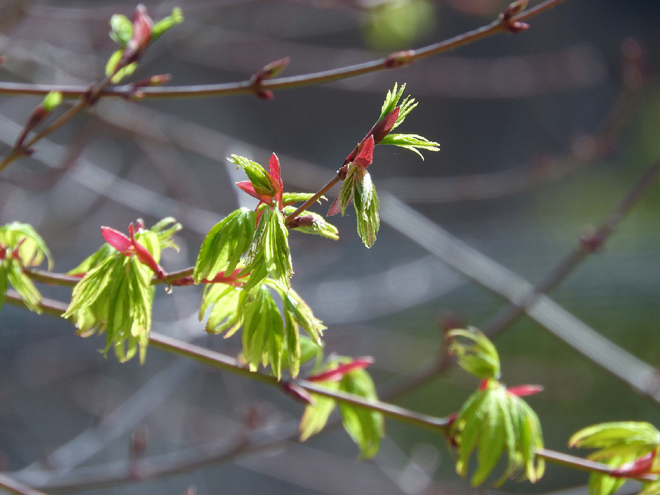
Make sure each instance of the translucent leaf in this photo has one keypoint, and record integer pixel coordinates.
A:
(614, 434)
(121, 29)
(269, 253)
(224, 245)
(494, 421)
(261, 181)
(366, 207)
(31, 247)
(316, 416)
(479, 358)
(263, 332)
(22, 284)
(412, 142)
(365, 427)
(226, 312)
(176, 17)
(288, 198)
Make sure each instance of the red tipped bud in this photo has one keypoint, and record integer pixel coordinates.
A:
(506, 17)
(399, 59)
(142, 24)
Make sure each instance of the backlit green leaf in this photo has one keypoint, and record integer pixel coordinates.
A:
(121, 29)
(479, 358)
(224, 245)
(176, 17)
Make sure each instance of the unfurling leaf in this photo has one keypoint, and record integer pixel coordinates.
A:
(630, 448)
(224, 245)
(479, 358)
(115, 295)
(494, 421)
(312, 223)
(269, 254)
(263, 184)
(20, 248)
(176, 17)
(263, 332)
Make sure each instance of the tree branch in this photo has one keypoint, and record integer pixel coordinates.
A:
(394, 60)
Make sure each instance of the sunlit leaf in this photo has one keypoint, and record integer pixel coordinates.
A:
(479, 357)
(224, 245)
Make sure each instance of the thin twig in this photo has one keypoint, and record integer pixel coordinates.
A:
(228, 363)
(247, 87)
(588, 245)
(89, 97)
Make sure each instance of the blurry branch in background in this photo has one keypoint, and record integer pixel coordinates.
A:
(529, 299)
(244, 445)
(16, 487)
(394, 60)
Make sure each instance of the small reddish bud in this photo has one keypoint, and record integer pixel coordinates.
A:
(304, 221)
(142, 24)
(37, 116)
(507, 17)
(525, 390)
(483, 385)
(297, 393)
(3, 252)
(590, 239)
(271, 70)
(336, 374)
(399, 59)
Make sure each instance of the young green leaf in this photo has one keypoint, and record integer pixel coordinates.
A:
(627, 446)
(121, 29)
(494, 420)
(412, 142)
(263, 332)
(224, 245)
(365, 427)
(260, 179)
(226, 313)
(31, 247)
(176, 17)
(316, 416)
(115, 295)
(479, 358)
(366, 207)
(269, 254)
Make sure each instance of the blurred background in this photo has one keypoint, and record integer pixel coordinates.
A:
(541, 134)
